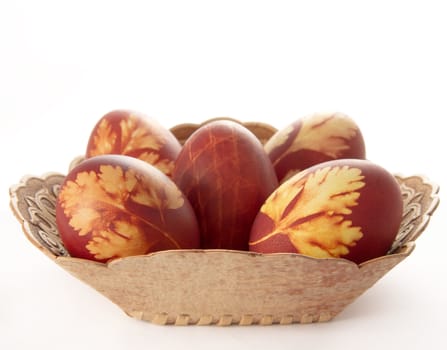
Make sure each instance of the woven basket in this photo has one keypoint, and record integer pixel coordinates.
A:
(222, 287)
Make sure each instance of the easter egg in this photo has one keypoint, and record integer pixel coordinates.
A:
(114, 206)
(225, 173)
(345, 208)
(312, 140)
(135, 135)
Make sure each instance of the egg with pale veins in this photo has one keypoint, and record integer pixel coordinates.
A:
(225, 173)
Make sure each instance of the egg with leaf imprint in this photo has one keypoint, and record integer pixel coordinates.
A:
(225, 173)
(136, 135)
(114, 206)
(314, 139)
(345, 208)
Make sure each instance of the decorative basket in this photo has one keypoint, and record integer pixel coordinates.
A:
(222, 287)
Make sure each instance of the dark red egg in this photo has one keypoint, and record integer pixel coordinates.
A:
(344, 208)
(115, 206)
(225, 173)
(312, 140)
(136, 135)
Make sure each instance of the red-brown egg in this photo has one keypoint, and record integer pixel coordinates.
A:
(136, 135)
(114, 206)
(345, 208)
(312, 140)
(225, 173)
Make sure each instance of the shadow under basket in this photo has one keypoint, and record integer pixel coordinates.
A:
(222, 287)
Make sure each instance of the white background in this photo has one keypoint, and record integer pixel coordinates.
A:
(65, 64)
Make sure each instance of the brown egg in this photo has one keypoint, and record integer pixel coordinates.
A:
(342, 209)
(136, 135)
(312, 140)
(114, 206)
(226, 175)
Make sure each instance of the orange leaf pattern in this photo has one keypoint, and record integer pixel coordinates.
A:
(103, 211)
(130, 137)
(278, 139)
(163, 164)
(104, 139)
(311, 210)
(134, 137)
(334, 134)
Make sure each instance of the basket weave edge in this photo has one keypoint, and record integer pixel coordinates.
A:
(16, 202)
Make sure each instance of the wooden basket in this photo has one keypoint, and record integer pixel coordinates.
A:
(222, 287)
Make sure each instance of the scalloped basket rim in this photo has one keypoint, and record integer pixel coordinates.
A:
(13, 204)
(406, 250)
(426, 181)
(434, 203)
